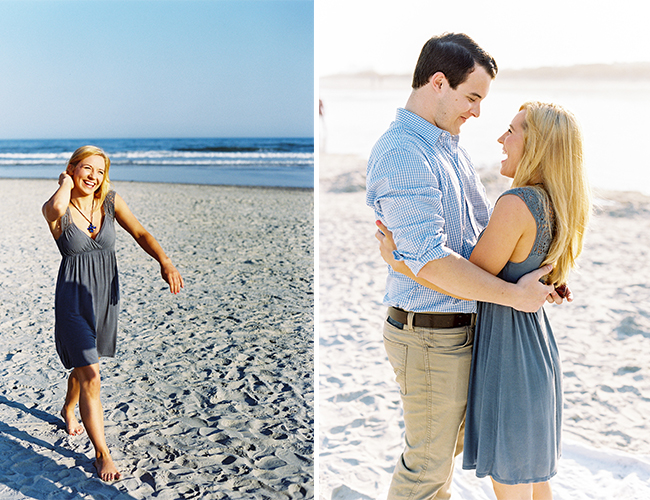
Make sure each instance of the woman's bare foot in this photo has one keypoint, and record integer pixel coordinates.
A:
(72, 425)
(106, 469)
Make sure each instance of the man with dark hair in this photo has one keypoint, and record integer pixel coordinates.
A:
(424, 189)
(454, 55)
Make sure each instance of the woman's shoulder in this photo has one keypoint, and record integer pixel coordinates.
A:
(525, 191)
(109, 202)
(110, 196)
(535, 197)
(539, 205)
(537, 201)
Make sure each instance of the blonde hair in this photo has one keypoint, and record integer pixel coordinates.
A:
(81, 154)
(553, 157)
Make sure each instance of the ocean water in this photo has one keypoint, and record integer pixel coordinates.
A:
(268, 162)
(613, 115)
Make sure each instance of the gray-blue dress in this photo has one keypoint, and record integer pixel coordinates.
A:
(514, 407)
(87, 291)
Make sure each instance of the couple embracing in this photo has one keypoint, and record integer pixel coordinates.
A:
(466, 333)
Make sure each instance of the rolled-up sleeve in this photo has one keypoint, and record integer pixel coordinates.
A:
(408, 200)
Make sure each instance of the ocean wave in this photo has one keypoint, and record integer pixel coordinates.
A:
(213, 154)
(166, 158)
(287, 162)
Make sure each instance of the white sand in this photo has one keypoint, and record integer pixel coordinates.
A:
(211, 392)
(603, 336)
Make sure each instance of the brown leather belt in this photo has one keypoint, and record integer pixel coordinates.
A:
(432, 320)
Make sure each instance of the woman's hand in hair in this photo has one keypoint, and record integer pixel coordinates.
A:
(64, 177)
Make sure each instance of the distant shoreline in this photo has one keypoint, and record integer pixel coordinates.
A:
(346, 173)
(273, 162)
(117, 182)
(628, 72)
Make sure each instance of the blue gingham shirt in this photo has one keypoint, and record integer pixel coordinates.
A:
(423, 187)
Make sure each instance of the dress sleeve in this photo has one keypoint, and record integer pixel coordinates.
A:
(109, 204)
(538, 204)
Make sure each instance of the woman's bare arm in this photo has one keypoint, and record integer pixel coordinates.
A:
(460, 278)
(148, 243)
(54, 208)
(387, 246)
(509, 236)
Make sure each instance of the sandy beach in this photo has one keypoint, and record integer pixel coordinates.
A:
(603, 337)
(210, 394)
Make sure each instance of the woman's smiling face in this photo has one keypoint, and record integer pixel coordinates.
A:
(513, 145)
(88, 174)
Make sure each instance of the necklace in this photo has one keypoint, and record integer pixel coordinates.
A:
(90, 228)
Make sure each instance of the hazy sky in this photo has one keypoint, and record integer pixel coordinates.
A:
(386, 35)
(139, 68)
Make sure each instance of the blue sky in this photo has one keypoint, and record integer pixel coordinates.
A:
(139, 68)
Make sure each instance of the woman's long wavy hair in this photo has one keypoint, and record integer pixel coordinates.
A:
(81, 154)
(553, 156)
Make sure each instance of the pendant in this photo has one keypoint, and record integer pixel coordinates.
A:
(91, 228)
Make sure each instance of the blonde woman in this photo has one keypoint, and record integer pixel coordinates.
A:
(514, 409)
(81, 215)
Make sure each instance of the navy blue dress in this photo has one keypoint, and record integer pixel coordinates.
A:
(87, 291)
(514, 407)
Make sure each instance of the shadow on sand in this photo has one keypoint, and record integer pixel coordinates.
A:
(30, 473)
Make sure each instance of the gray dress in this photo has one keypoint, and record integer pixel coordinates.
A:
(87, 291)
(514, 407)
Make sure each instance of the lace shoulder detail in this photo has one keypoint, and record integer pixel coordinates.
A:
(109, 204)
(539, 205)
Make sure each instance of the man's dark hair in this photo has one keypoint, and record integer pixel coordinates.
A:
(454, 55)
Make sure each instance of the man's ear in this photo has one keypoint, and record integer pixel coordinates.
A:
(438, 81)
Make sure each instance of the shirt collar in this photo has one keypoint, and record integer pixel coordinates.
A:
(426, 129)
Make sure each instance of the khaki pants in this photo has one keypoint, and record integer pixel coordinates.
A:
(432, 368)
